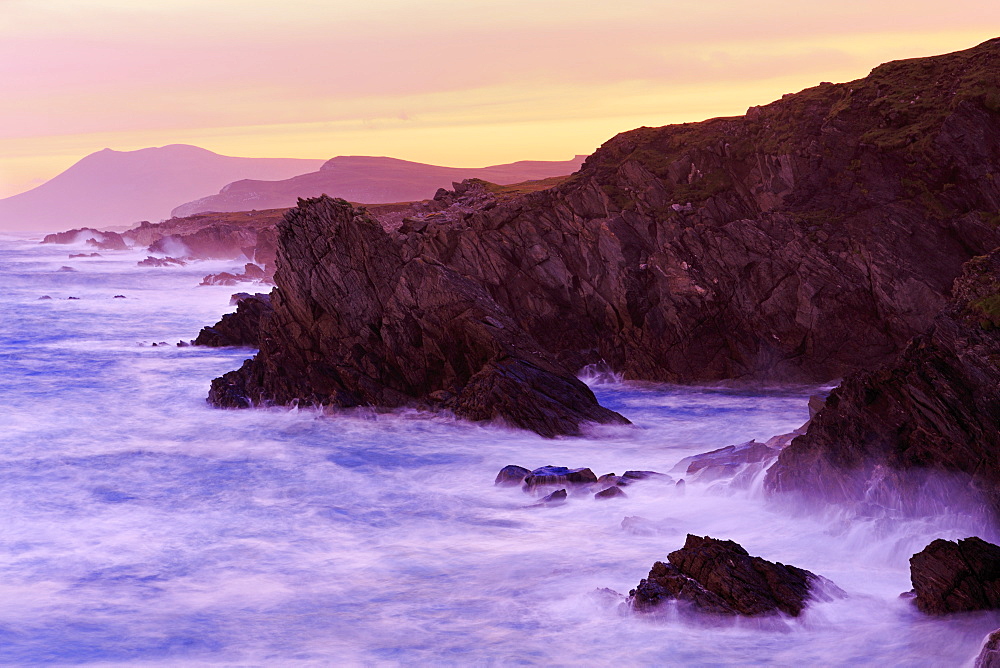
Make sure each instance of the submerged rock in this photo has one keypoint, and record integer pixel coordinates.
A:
(956, 577)
(720, 577)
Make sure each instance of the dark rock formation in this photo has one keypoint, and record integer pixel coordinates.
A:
(610, 493)
(720, 577)
(160, 262)
(251, 273)
(956, 577)
(726, 459)
(109, 241)
(65, 268)
(810, 238)
(556, 497)
(989, 657)
(75, 255)
(893, 435)
(212, 242)
(241, 328)
(359, 320)
(71, 236)
(558, 475)
(511, 475)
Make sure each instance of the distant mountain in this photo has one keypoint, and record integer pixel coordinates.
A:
(369, 180)
(111, 188)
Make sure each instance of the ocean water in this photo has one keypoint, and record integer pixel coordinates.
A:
(140, 526)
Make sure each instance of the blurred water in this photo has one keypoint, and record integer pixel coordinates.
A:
(141, 526)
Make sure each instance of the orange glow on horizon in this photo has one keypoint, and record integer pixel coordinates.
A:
(433, 82)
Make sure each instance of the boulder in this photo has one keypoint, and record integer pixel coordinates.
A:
(558, 475)
(511, 475)
(610, 493)
(556, 497)
(956, 577)
(720, 577)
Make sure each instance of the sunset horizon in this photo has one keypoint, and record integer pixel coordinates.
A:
(419, 81)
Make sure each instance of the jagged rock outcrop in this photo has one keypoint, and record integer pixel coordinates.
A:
(956, 577)
(251, 273)
(720, 577)
(358, 321)
(895, 435)
(808, 239)
(241, 328)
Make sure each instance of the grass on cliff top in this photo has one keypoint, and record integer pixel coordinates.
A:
(514, 189)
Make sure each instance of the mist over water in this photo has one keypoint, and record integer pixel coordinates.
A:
(141, 525)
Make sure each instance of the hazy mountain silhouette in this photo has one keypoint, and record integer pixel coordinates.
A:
(369, 180)
(110, 188)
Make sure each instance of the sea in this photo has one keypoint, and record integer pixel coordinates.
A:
(141, 526)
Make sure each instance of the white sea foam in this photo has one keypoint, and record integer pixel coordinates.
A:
(142, 526)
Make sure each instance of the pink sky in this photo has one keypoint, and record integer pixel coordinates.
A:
(454, 83)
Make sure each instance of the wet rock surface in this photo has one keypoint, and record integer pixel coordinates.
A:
(989, 657)
(958, 576)
(559, 475)
(511, 475)
(808, 239)
(719, 577)
(923, 429)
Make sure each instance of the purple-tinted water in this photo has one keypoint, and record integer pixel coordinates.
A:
(141, 526)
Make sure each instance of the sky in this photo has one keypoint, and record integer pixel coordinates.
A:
(462, 84)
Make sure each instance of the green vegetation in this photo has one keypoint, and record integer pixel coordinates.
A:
(988, 309)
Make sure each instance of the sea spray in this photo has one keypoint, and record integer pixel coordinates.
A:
(143, 525)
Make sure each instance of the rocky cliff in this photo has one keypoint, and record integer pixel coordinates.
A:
(810, 238)
(892, 436)
(359, 320)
